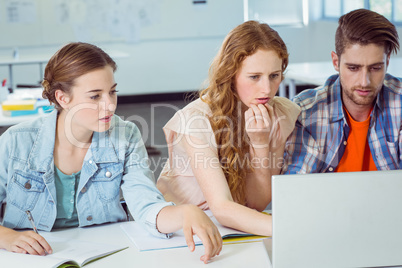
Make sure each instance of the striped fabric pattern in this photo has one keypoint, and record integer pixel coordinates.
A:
(319, 138)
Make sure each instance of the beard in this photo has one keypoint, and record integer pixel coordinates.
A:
(350, 95)
(360, 100)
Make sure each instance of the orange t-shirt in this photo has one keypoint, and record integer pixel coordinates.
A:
(357, 155)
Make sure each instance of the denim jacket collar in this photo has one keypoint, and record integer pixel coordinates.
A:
(41, 157)
(102, 149)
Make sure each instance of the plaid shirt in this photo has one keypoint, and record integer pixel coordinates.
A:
(319, 138)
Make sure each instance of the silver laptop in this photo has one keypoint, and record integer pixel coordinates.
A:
(351, 219)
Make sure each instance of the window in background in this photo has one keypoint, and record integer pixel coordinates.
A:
(332, 9)
(398, 10)
(383, 7)
(277, 13)
(352, 5)
(391, 9)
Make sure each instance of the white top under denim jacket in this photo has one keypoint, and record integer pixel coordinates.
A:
(116, 160)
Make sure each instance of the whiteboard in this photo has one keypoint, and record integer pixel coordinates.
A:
(31, 23)
(170, 43)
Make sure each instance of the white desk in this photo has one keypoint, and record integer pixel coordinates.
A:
(6, 121)
(39, 59)
(236, 255)
(316, 73)
(9, 61)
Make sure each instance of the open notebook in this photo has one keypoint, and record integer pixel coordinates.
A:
(66, 253)
(145, 241)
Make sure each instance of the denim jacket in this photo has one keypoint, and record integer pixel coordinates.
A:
(116, 160)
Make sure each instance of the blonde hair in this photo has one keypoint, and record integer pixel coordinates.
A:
(227, 116)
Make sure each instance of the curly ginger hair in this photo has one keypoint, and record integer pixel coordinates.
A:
(227, 119)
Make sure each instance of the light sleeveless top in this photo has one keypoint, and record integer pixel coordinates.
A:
(177, 181)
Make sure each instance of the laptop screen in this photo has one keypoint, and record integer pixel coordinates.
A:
(351, 219)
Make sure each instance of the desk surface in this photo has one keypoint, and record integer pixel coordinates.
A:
(316, 73)
(236, 255)
(13, 120)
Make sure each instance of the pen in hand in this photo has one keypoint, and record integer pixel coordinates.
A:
(30, 218)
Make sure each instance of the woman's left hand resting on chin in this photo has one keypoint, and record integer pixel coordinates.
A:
(193, 221)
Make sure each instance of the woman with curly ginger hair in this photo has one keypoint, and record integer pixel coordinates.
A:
(225, 146)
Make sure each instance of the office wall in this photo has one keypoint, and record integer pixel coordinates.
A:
(170, 49)
(313, 42)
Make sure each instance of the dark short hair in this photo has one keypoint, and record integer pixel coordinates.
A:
(363, 27)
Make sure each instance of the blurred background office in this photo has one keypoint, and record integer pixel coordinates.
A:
(163, 48)
(170, 43)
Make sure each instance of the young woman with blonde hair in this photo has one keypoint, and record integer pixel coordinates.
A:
(225, 146)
